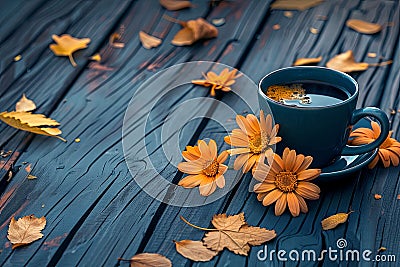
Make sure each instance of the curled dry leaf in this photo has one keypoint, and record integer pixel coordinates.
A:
(113, 40)
(149, 260)
(34, 123)
(295, 4)
(363, 26)
(173, 5)
(194, 30)
(194, 250)
(25, 104)
(307, 61)
(25, 230)
(334, 220)
(67, 45)
(149, 41)
(345, 62)
(233, 233)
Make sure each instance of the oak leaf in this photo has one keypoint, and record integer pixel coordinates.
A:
(149, 41)
(334, 220)
(149, 260)
(67, 45)
(25, 104)
(307, 61)
(25, 230)
(194, 250)
(193, 30)
(345, 62)
(300, 5)
(34, 123)
(174, 5)
(363, 26)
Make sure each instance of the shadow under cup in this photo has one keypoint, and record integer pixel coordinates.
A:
(321, 132)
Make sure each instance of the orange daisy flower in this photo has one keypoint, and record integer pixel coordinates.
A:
(253, 139)
(222, 81)
(286, 181)
(204, 166)
(389, 150)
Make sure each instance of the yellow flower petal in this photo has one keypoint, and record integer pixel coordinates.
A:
(264, 187)
(308, 175)
(272, 196)
(293, 204)
(191, 181)
(190, 167)
(280, 205)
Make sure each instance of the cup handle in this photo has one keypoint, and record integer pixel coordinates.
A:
(384, 123)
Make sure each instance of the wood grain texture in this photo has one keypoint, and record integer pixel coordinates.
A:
(95, 211)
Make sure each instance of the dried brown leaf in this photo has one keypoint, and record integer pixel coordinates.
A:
(149, 260)
(194, 250)
(334, 220)
(113, 40)
(34, 123)
(25, 230)
(314, 30)
(149, 41)
(174, 5)
(25, 104)
(307, 61)
(363, 26)
(345, 62)
(194, 30)
(31, 177)
(67, 45)
(300, 5)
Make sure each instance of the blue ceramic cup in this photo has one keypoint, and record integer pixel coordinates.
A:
(320, 132)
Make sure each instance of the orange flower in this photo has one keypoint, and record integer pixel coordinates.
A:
(253, 139)
(389, 150)
(204, 166)
(222, 81)
(286, 181)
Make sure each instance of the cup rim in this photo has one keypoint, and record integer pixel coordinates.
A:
(343, 102)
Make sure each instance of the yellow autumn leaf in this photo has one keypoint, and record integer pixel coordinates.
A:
(25, 104)
(148, 260)
(194, 250)
(307, 61)
(334, 220)
(34, 123)
(25, 230)
(174, 5)
(149, 41)
(96, 57)
(363, 26)
(67, 45)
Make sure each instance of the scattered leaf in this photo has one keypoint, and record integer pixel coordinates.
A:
(17, 58)
(371, 55)
(313, 30)
(276, 27)
(218, 22)
(149, 260)
(393, 112)
(321, 17)
(173, 5)
(28, 168)
(334, 220)
(96, 57)
(233, 233)
(149, 41)
(377, 196)
(363, 26)
(67, 45)
(295, 4)
(307, 61)
(345, 62)
(25, 230)
(194, 250)
(398, 197)
(25, 104)
(31, 177)
(113, 40)
(223, 81)
(77, 140)
(382, 249)
(5, 154)
(34, 123)
(193, 30)
(97, 66)
(288, 14)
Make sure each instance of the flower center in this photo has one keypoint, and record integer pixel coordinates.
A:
(211, 168)
(258, 143)
(286, 181)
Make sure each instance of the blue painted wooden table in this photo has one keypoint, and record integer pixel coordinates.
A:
(95, 210)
